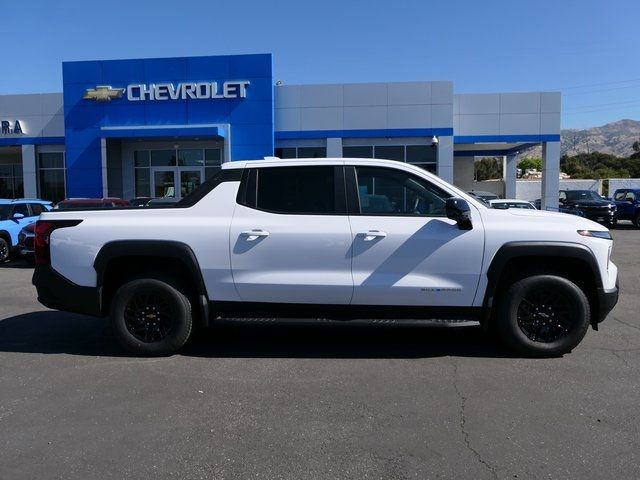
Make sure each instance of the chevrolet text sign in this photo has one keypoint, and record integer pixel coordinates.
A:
(168, 91)
(200, 90)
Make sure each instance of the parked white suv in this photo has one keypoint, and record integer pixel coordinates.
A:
(328, 238)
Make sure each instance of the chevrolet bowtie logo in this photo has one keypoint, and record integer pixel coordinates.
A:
(103, 93)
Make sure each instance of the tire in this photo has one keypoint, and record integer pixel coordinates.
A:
(636, 220)
(543, 316)
(5, 250)
(151, 317)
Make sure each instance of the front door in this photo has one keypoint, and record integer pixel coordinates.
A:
(175, 182)
(290, 239)
(405, 250)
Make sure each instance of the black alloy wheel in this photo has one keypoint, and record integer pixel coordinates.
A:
(544, 315)
(152, 316)
(149, 316)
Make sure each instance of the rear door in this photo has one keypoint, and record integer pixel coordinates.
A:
(290, 238)
(405, 250)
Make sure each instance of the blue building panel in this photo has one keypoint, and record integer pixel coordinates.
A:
(249, 118)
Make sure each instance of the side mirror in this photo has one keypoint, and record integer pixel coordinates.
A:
(18, 216)
(458, 209)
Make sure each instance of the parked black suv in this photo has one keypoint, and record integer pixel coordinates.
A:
(591, 205)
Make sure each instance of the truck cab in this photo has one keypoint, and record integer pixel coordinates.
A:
(628, 204)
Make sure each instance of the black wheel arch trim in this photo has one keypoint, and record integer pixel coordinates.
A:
(512, 250)
(150, 248)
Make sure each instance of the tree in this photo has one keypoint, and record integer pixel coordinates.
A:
(636, 149)
(530, 163)
(488, 168)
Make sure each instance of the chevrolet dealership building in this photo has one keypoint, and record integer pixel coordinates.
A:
(156, 127)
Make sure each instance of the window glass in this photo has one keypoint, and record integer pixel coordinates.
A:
(143, 182)
(422, 154)
(619, 195)
(296, 189)
(212, 156)
(141, 158)
(357, 152)
(312, 152)
(21, 208)
(51, 183)
(163, 158)
(51, 160)
(630, 196)
(390, 152)
(36, 208)
(192, 157)
(285, 152)
(210, 172)
(385, 191)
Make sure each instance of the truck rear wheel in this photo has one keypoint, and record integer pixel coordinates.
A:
(543, 316)
(636, 220)
(151, 317)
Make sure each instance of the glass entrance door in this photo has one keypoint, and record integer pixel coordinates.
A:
(175, 182)
(190, 180)
(163, 182)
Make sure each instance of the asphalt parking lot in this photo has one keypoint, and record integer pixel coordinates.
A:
(269, 401)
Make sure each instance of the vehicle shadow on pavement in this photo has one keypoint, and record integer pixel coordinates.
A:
(19, 264)
(51, 332)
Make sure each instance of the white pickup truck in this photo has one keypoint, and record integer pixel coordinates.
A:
(333, 239)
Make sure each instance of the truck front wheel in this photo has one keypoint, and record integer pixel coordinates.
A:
(543, 316)
(151, 317)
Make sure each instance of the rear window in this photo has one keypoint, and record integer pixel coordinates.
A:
(296, 190)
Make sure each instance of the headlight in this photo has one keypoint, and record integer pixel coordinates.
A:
(595, 233)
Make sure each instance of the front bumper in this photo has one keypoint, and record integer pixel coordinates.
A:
(607, 299)
(59, 293)
(601, 216)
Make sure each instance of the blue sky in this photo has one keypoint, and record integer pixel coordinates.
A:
(587, 49)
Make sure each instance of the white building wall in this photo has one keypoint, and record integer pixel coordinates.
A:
(617, 183)
(492, 114)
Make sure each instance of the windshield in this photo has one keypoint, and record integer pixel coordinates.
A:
(5, 210)
(577, 195)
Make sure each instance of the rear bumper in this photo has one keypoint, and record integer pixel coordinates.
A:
(59, 293)
(607, 299)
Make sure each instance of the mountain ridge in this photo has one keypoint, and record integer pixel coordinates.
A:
(615, 138)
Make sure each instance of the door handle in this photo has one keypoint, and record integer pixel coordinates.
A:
(254, 234)
(372, 234)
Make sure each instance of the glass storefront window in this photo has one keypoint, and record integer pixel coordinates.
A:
(141, 158)
(193, 157)
(143, 182)
(390, 152)
(212, 162)
(357, 152)
(312, 152)
(212, 156)
(285, 152)
(163, 158)
(422, 154)
(51, 176)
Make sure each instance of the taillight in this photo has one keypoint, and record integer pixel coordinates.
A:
(43, 231)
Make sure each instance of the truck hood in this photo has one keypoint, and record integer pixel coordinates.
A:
(555, 219)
